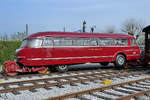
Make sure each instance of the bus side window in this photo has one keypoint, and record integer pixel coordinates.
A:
(133, 42)
(94, 42)
(121, 42)
(78, 42)
(81, 42)
(86, 41)
(106, 42)
(66, 41)
(48, 42)
(62, 41)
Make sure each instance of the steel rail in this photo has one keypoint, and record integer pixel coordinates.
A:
(100, 89)
(58, 78)
(59, 83)
(134, 95)
(56, 73)
(53, 73)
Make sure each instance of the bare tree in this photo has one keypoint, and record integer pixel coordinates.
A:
(133, 27)
(4, 37)
(15, 36)
(110, 29)
(18, 36)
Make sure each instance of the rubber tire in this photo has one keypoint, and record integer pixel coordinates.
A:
(117, 64)
(59, 69)
(104, 63)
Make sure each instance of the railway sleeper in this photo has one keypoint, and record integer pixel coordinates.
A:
(144, 84)
(47, 88)
(145, 87)
(85, 83)
(73, 84)
(131, 88)
(124, 91)
(32, 90)
(16, 92)
(20, 84)
(60, 86)
(111, 93)
(100, 96)
(35, 83)
(82, 98)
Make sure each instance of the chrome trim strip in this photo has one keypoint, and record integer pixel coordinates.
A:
(67, 58)
(79, 46)
(132, 50)
(133, 55)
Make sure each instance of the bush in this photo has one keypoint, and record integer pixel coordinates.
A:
(7, 50)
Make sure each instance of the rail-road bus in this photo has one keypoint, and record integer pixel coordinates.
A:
(57, 50)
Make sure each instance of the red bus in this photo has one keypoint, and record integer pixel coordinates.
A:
(60, 49)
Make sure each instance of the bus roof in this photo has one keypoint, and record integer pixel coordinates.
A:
(73, 34)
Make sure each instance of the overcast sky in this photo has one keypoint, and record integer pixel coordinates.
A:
(53, 15)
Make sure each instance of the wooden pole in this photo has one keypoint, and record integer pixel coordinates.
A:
(26, 29)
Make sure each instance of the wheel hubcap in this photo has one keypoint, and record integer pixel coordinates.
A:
(62, 67)
(121, 60)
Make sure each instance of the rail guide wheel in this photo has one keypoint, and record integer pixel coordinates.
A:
(43, 71)
(9, 67)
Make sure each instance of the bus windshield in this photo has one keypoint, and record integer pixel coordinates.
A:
(32, 43)
(24, 43)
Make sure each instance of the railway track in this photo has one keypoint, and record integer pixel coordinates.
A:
(5, 77)
(129, 90)
(31, 85)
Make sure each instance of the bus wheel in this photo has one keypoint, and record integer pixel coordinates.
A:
(120, 61)
(61, 68)
(104, 63)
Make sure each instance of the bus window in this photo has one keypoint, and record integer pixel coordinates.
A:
(66, 41)
(81, 42)
(133, 42)
(62, 41)
(106, 42)
(34, 43)
(24, 43)
(78, 42)
(121, 42)
(86, 42)
(48, 42)
(94, 42)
